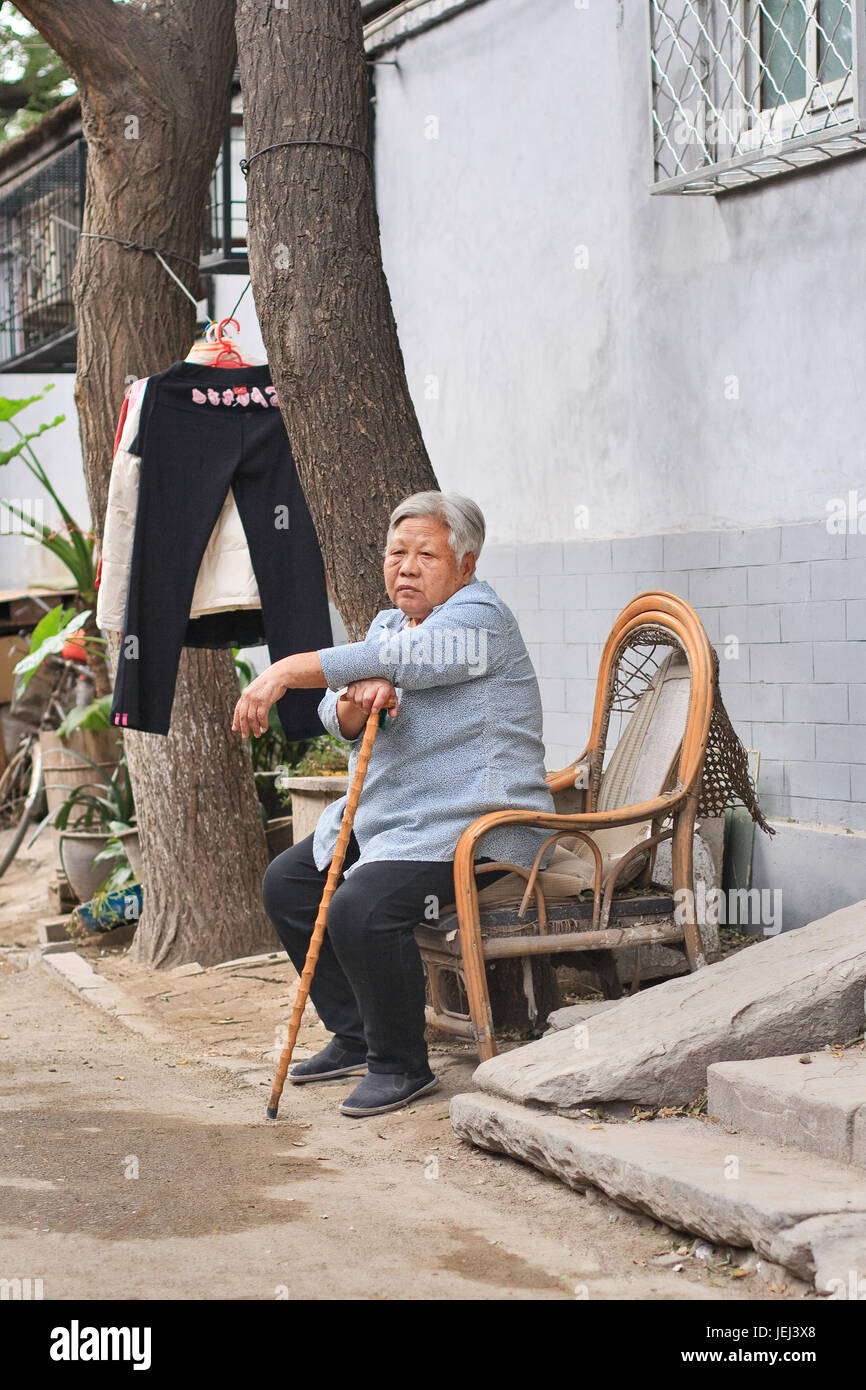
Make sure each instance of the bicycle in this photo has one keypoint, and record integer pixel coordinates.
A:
(56, 688)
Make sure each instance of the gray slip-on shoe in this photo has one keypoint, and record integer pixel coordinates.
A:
(333, 1061)
(381, 1091)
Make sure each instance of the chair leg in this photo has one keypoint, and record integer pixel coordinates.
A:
(684, 879)
(472, 951)
(472, 946)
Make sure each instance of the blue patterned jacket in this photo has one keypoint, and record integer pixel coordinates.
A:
(467, 738)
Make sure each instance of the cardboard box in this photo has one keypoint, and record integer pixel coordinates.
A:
(12, 649)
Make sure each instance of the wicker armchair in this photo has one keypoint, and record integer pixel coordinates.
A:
(678, 757)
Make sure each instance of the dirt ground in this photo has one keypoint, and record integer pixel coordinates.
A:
(144, 1168)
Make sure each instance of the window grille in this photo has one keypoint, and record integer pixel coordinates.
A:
(224, 244)
(746, 89)
(39, 215)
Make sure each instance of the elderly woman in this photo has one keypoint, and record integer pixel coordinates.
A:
(463, 737)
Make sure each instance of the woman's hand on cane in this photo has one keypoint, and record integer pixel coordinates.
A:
(361, 699)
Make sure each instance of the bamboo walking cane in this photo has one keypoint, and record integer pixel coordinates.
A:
(375, 721)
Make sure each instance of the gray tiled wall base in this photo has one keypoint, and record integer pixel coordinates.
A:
(785, 607)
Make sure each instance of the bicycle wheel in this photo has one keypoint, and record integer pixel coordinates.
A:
(21, 790)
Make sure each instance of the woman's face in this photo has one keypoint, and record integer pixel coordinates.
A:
(421, 569)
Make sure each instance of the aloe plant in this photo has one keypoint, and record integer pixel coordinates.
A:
(107, 812)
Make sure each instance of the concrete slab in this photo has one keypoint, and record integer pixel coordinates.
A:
(578, 1013)
(73, 971)
(809, 1099)
(793, 992)
(795, 1208)
(858, 1139)
(821, 867)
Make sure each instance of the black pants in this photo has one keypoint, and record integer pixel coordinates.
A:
(368, 988)
(205, 429)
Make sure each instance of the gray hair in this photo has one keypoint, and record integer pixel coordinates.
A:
(461, 515)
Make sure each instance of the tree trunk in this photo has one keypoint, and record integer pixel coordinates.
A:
(320, 291)
(325, 312)
(155, 86)
(208, 845)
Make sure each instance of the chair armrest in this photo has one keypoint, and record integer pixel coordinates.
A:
(577, 775)
(464, 855)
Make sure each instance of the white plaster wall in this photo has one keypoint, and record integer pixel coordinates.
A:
(605, 387)
(227, 288)
(59, 451)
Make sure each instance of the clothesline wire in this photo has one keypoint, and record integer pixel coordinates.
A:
(137, 246)
(240, 297)
(153, 250)
(286, 144)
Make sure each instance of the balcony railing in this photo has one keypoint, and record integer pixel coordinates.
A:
(40, 218)
(39, 215)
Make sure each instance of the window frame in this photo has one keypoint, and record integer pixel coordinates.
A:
(828, 120)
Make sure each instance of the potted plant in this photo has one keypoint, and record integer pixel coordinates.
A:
(84, 732)
(98, 817)
(117, 901)
(312, 771)
(268, 753)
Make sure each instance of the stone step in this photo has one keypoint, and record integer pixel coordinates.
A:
(815, 1100)
(572, 1014)
(795, 1208)
(793, 992)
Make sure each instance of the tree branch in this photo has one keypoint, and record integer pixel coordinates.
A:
(85, 33)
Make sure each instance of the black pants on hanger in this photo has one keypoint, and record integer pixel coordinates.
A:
(204, 429)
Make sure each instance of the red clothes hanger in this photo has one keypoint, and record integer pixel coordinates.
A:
(228, 348)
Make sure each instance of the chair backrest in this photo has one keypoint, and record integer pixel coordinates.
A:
(672, 704)
(641, 764)
(663, 743)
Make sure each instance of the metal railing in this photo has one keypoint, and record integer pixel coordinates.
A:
(39, 213)
(746, 89)
(224, 244)
(40, 216)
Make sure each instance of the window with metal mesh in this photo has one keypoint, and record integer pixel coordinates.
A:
(39, 219)
(746, 89)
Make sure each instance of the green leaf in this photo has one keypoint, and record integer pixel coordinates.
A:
(22, 444)
(96, 715)
(49, 625)
(10, 407)
(48, 642)
(244, 669)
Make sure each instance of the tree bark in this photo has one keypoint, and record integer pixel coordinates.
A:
(155, 86)
(320, 291)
